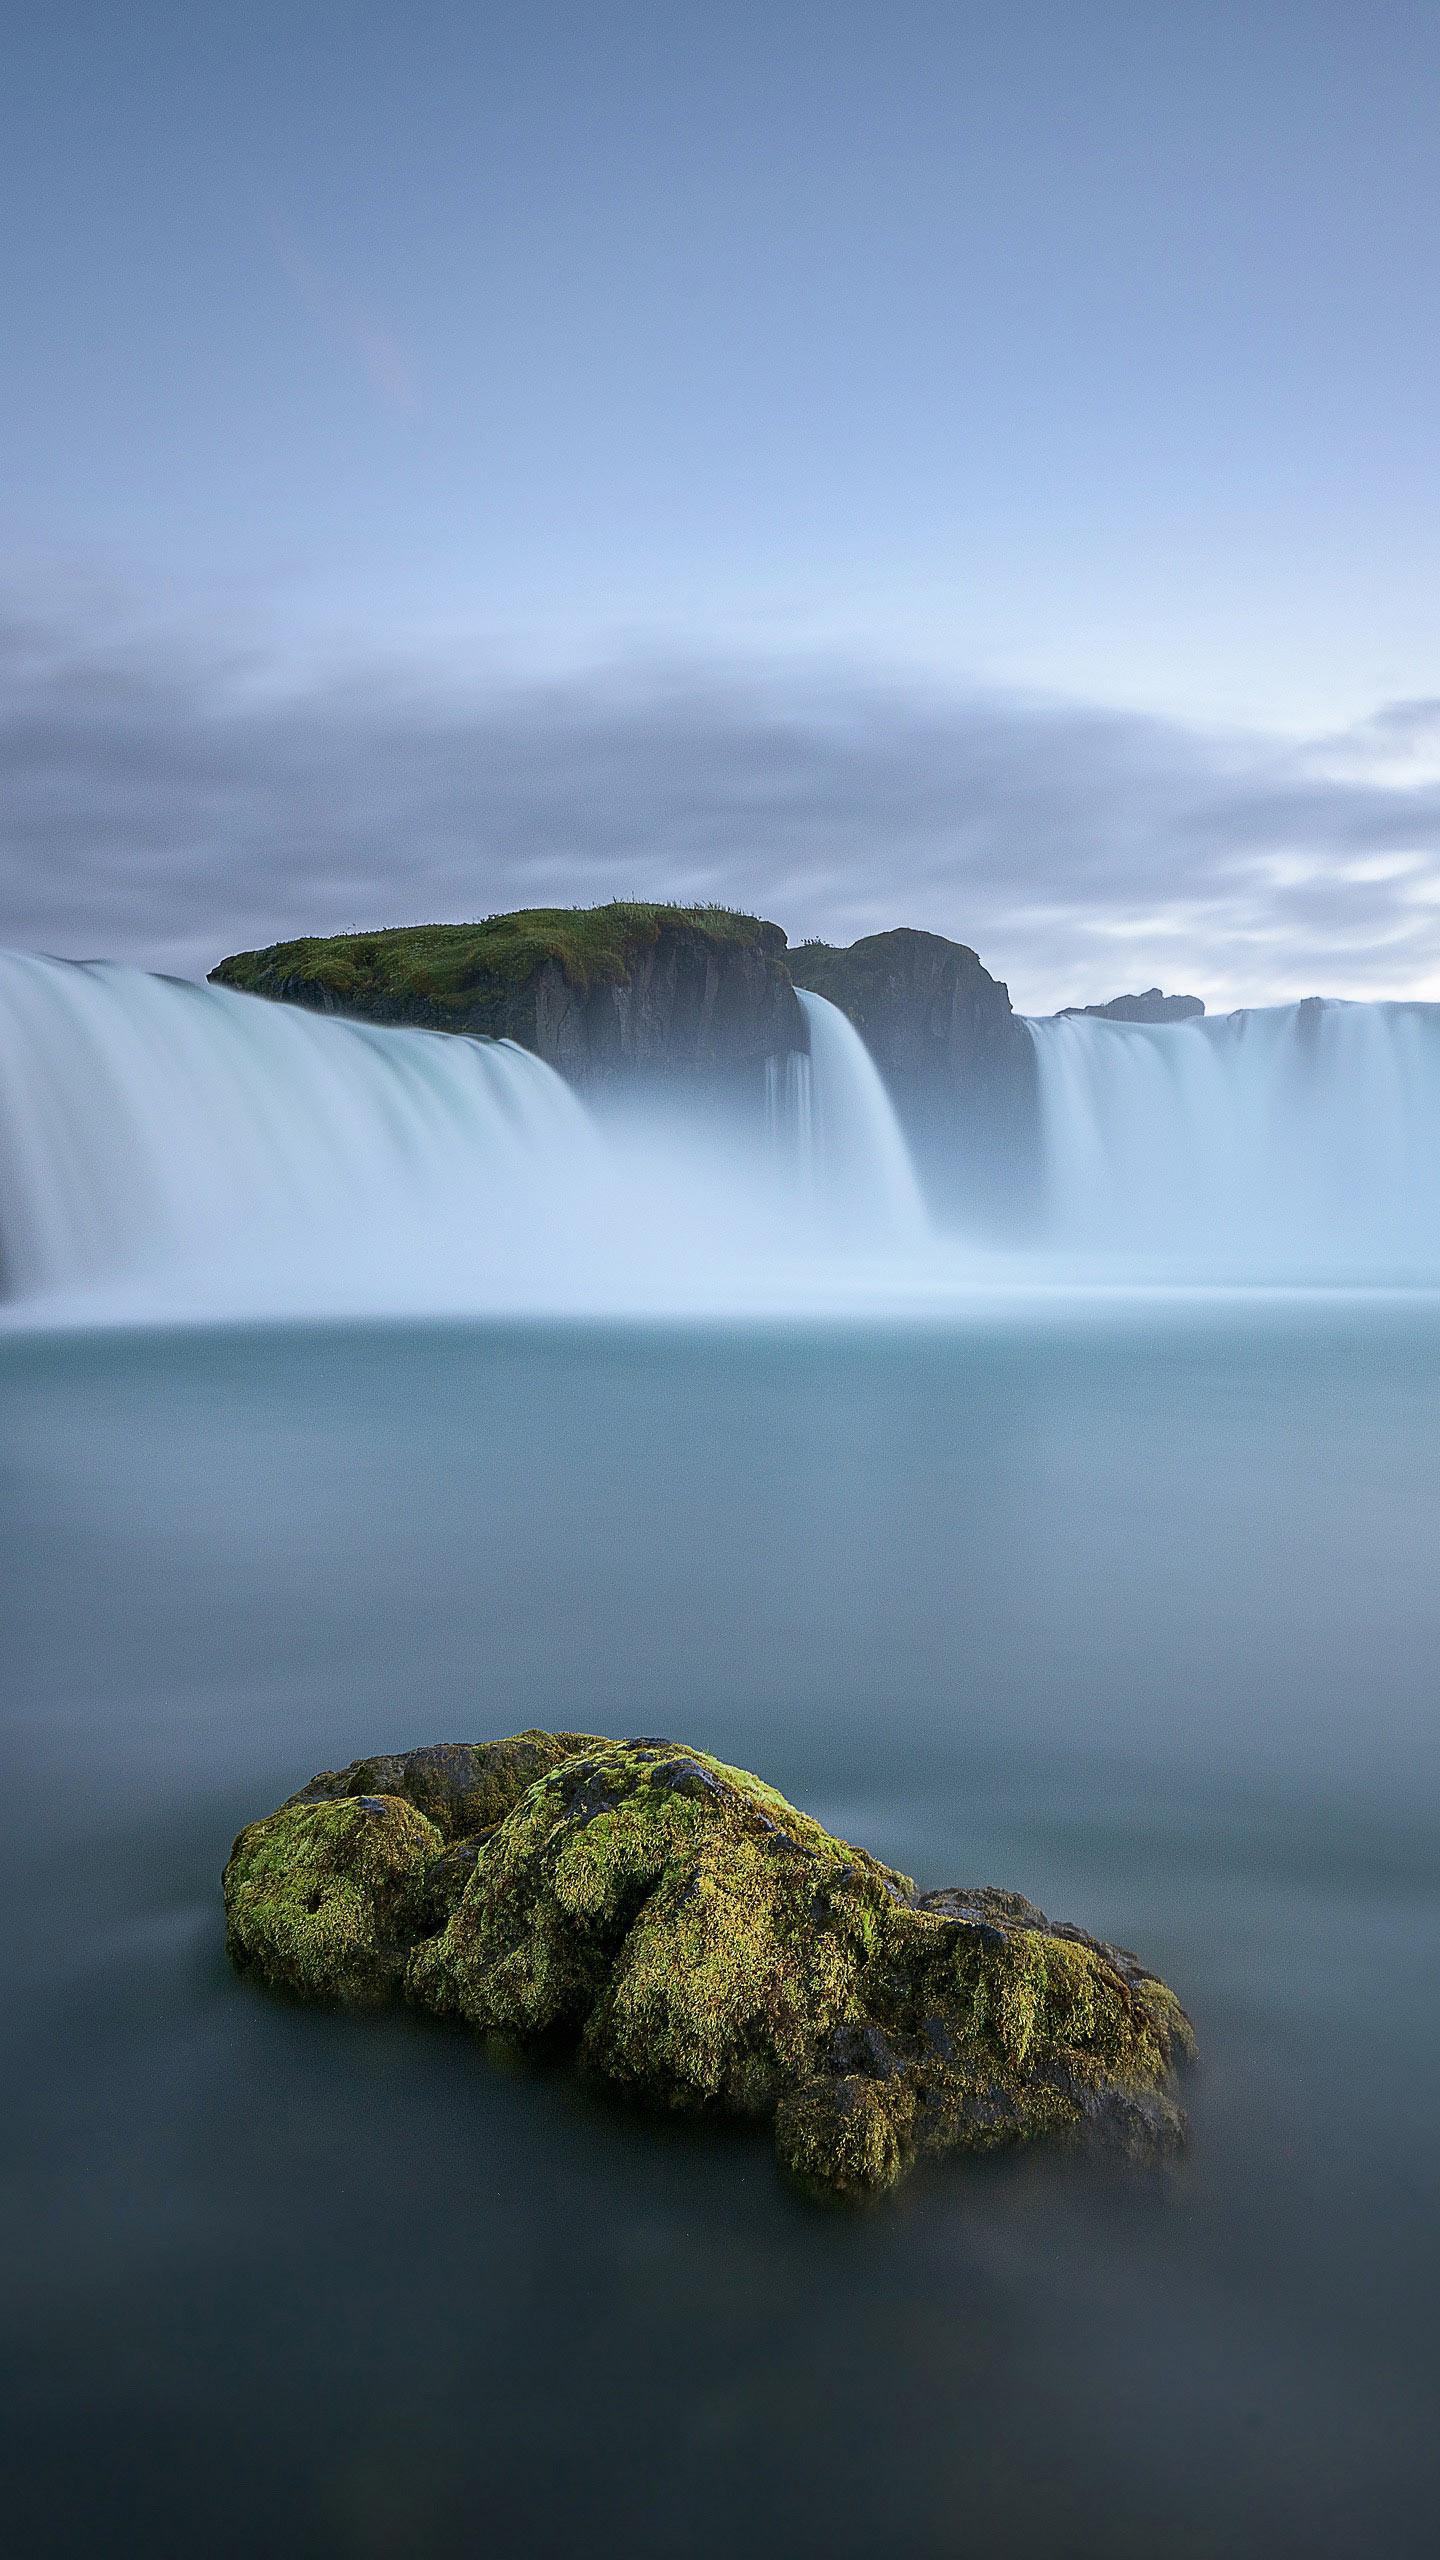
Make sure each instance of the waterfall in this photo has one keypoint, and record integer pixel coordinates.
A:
(212, 1150)
(833, 1123)
(174, 1149)
(1293, 1142)
(183, 1150)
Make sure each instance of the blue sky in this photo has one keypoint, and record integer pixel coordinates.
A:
(1048, 394)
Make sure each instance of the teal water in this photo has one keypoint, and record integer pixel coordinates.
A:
(1133, 1607)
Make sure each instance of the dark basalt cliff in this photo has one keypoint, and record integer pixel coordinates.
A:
(959, 1066)
(928, 1010)
(604, 994)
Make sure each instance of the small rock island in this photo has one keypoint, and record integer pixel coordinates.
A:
(705, 1946)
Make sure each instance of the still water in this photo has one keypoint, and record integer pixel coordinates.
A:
(1134, 1606)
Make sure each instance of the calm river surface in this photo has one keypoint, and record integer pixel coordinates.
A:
(1137, 1609)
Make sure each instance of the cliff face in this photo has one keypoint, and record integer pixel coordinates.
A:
(688, 1003)
(604, 994)
(959, 1067)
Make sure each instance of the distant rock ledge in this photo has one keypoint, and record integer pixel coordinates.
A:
(706, 1947)
(1152, 1006)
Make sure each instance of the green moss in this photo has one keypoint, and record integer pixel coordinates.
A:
(735, 1973)
(1056, 2041)
(704, 1944)
(1170, 2029)
(321, 1898)
(844, 2136)
(698, 1933)
(475, 972)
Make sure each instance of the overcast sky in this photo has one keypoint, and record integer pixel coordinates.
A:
(964, 466)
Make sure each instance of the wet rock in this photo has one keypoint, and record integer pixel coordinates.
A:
(705, 1945)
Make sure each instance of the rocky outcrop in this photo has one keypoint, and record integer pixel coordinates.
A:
(625, 996)
(1152, 1006)
(605, 994)
(928, 1010)
(705, 1946)
(959, 1066)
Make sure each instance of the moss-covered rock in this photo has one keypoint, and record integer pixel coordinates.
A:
(844, 2135)
(325, 1898)
(462, 1787)
(706, 1946)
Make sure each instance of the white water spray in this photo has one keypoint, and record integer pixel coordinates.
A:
(173, 1149)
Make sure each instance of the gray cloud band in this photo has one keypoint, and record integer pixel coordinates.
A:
(165, 804)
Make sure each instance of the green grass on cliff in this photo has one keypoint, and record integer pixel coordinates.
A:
(445, 963)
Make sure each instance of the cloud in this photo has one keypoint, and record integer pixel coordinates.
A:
(167, 799)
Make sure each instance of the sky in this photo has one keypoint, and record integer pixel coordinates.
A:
(943, 465)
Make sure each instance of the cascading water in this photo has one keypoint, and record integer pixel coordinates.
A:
(833, 1126)
(174, 1149)
(1295, 1142)
(214, 1150)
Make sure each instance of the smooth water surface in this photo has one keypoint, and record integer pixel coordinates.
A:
(1134, 1608)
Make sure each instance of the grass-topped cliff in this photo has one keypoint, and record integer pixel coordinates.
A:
(588, 988)
(454, 965)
